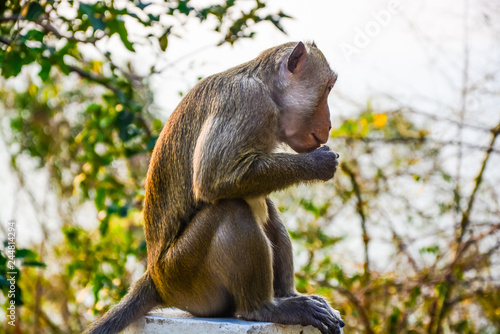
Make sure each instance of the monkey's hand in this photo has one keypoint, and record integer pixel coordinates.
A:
(325, 163)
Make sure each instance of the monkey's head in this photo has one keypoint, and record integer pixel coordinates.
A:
(301, 92)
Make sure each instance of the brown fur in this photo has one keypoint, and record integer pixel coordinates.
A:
(216, 245)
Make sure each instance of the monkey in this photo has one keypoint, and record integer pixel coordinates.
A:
(216, 246)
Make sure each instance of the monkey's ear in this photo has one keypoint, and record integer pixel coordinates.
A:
(297, 55)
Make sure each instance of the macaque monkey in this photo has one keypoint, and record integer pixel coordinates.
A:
(216, 245)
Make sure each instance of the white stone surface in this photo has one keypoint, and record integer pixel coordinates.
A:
(173, 321)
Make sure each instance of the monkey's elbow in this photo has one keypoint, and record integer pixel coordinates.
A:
(198, 194)
(202, 195)
(202, 192)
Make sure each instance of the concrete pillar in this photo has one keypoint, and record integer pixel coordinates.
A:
(173, 321)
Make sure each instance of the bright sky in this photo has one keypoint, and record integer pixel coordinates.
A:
(412, 50)
(409, 49)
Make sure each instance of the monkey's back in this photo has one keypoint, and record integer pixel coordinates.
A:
(241, 92)
(169, 202)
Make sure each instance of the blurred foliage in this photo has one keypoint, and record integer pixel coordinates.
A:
(10, 273)
(394, 189)
(86, 119)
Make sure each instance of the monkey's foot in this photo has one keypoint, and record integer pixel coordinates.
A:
(300, 310)
(333, 314)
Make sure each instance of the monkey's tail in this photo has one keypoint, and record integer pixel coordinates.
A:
(141, 298)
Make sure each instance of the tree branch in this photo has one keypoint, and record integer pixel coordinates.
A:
(405, 140)
(461, 246)
(465, 216)
(361, 212)
(5, 40)
(445, 119)
(50, 28)
(355, 301)
(92, 77)
(10, 18)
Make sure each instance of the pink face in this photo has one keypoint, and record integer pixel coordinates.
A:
(306, 133)
(303, 129)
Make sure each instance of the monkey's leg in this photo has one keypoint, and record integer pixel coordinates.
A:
(283, 260)
(283, 272)
(242, 255)
(220, 262)
(184, 274)
(222, 265)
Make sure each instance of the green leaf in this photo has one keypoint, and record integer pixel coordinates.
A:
(164, 42)
(45, 70)
(104, 225)
(151, 143)
(113, 208)
(446, 177)
(96, 22)
(318, 211)
(118, 26)
(143, 5)
(25, 253)
(442, 288)
(157, 125)
(431, 250)
(72, 234)
(123, 211)
(33, 35)
(412, 301)
(14, 60)
(98, 285)
(16, 124)
(34, 11)
(100, 198)
(124, 119)
(34, 264)
(183, 7)
(394, 319)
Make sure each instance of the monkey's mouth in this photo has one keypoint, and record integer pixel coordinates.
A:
(312, 145)
(306, 145)
(318, 141)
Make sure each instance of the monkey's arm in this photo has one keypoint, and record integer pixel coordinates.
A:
(232, 156)
(254, 175)
(241, 168)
